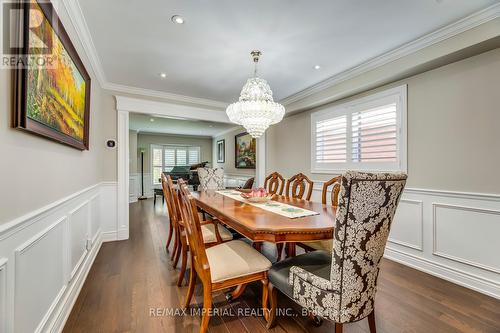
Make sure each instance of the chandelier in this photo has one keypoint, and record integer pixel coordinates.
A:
(256, 109)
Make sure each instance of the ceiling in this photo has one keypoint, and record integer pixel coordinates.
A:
(208, 56)
(142, 123)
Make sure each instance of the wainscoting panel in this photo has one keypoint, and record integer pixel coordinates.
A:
(42, 249)
(3, 294)
(456, 228)
(39, 277)
(452, 235)
(134, 187)
(408, 224)
(235, 180)
(78, 231)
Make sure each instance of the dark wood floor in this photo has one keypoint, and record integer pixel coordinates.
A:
(132, 278)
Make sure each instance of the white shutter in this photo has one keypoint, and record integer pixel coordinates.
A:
(181, 156)
(193, 155)
(157, 157)
(331, 140)
(374, 135)
(365, 134)
(169, 159)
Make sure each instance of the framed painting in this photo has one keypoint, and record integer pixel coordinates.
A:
(52, 87)
(245, 151)
(221, 151)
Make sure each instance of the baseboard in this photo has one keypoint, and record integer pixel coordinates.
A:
(73, 291)
(109, 236)
(462, 278)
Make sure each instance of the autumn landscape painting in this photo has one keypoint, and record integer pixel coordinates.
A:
(56, 94)
(245, 151)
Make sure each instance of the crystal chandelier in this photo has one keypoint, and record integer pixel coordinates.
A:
(256, 109)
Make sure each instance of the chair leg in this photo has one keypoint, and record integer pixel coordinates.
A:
(338, 328)
(170, 233)
(183, 265)
(177, 254)
(273, 300)
(207, 307)
(279, 248)
(265, 295)
(192, 283)
(290, 250)
(371, 322)
(176, 244)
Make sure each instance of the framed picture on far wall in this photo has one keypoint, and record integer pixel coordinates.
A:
(221, 151)
(52, 89)
(245, 151)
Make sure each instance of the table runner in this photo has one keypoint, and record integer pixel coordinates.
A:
(276, 207)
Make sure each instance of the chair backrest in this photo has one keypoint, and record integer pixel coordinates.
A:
(170, 195)
(248, 184)
(274, 183)
(299, 183)
(189, 213)
(335, 191)
(211, 179)
(367, 204)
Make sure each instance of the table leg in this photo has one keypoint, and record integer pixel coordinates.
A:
(290, 249)
(257, 246)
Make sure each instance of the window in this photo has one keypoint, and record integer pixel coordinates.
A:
(165, 158)
(365, 134)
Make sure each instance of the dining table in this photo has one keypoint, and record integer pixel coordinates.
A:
(259, 224)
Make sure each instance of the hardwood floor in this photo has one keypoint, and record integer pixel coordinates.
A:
(132, 287)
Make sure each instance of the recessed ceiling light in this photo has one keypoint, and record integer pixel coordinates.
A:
(163, 75)
(151, 119)
(178, 19)
(317, 67)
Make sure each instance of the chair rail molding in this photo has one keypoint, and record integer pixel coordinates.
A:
(432, 232)
(58, 244)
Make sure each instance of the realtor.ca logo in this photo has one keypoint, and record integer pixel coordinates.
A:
(28, 34)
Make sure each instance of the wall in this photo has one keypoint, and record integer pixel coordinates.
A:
(449, 201)
(57, 206)
(228, 164)
(133, 152)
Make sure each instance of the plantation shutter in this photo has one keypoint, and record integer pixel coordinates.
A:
(193, 155)
(169, 159)
(331, 140)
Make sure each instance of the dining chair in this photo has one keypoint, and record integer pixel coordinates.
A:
(297, 185)
(171, 223)
(222, 266)
(274, 183)
(341, 285)
(334, 195)
(248, 184)
(212, 231)
(211, 179)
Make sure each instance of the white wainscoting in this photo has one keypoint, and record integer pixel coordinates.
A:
(452, 235)
(135, 186)
(45, 257)
(235, 180)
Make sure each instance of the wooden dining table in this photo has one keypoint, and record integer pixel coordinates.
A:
(260, 225)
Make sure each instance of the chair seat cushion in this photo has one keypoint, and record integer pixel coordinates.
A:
(317, 262)
(235, 259)
(325, 245)
(209, 236)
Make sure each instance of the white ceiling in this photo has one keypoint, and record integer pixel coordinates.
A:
(142, 123)
(208, 56)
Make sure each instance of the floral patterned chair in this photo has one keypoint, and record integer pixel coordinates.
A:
(341, 285)
(211, 179)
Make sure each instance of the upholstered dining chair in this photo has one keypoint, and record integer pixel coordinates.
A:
(225, 265)
(212, 231)
(297, 186)
(211, 179)
(341, 285)
(274, 183)
(334, 196)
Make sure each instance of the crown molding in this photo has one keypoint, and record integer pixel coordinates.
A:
(82, 30)
(164, 95)
(451, 30)
(224, 132)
